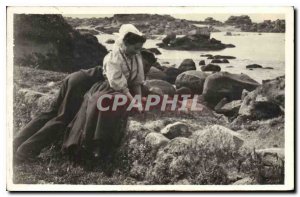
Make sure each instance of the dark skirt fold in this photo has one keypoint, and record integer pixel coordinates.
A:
(92, 127)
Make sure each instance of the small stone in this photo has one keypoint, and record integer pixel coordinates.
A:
(177, 129)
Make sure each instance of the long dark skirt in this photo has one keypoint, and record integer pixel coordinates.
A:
(51, 125)
(93, 128)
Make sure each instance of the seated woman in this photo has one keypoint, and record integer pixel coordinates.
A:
(50, 126)
(92, 130)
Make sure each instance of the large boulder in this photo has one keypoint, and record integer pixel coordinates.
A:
(155, 73)
(172, 162)
(256, 106)
(177, 129)
(187, 64)
(217, 139)
(171, 74)
(267, 101)
(194, 80)
(211, 67)
(226, 85)
(163, 87)
(48, 42)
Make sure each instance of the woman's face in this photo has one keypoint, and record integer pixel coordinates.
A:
(132, 49)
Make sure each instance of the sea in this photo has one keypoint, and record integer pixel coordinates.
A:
(265, 49)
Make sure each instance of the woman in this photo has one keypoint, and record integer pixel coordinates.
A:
(98, 132)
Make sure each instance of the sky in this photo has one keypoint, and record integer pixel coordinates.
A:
(197, 17)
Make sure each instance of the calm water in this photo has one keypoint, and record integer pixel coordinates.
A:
(266, 49)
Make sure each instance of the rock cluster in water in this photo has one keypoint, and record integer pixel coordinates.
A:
(195, 41)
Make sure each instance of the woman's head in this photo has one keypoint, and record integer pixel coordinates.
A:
(133, 43)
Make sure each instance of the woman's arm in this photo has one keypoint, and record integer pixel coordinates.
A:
(113, 71)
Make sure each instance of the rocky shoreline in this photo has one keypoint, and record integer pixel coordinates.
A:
(242, 143)
(154, 24)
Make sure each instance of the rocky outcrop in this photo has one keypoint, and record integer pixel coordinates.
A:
(149, 24)
(277, 26)
(226, 85)
(217, 138)
(245, 23)
(196, 42)
(255, 106)
(49, 42)
(194, 80)
(238, 20)
(266, 101)
(158, 86)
